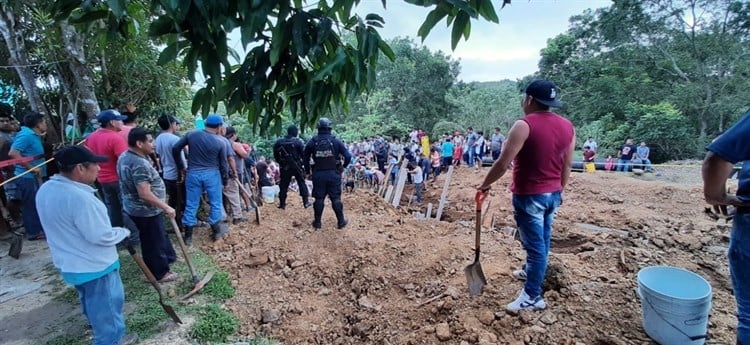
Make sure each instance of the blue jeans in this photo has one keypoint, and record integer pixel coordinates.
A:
(623, 165)
(646, 164)
(739, 256)
(472, 155)
(534, 216)
(27, 188)
(196, 182)
(102, 301)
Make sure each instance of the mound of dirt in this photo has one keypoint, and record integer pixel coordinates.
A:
(389, 278)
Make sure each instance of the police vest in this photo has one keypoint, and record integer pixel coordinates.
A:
(288, 152)
(325, 155)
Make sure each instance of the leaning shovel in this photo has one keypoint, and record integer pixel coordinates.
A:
(199, 284)
(151, 279)
(474, 275)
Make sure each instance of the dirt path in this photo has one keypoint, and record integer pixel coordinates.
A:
(27, 290)
(366, 284)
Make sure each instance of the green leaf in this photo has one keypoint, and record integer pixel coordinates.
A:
(463, 6)
(432, 18)
(117, 6)
(459, 26)
(63, 8)
(386, 49)
(279, 40)
(329, 67)
(88, 16)
(161, 26)
(374, 17)
(487, 11)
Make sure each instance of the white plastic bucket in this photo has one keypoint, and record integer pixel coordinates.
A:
(675, 304)
(269, 194)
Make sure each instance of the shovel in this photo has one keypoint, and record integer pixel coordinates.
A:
(198, 284)
(151, 279)
(474, 275)
(253, 202)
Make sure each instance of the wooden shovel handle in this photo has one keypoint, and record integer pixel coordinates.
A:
(139, 260)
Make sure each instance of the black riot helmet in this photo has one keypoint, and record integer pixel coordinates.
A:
(325, 123)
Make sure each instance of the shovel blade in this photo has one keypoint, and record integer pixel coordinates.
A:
(168, 308)
(16, 244)
(475, 278)
(199, 286)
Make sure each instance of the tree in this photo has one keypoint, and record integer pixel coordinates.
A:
(12, 31)
(692, 54)
(296, 56)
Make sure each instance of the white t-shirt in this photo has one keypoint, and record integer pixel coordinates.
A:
(416, 176)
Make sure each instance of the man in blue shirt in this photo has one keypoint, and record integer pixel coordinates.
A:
(207, 152)
(641, 155)
(731, 147)
(83, 243)
(28, 143)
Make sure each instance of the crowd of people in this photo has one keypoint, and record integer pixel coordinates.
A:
(143, 179)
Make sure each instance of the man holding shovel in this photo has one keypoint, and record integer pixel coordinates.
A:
(540, 145)
(82, 242)
(143, 200)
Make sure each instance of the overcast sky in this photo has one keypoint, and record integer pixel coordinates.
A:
(508, 50)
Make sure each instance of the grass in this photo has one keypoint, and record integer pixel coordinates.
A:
(214, 324)
(146, 318)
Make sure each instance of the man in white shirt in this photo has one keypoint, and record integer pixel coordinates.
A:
(83, 242)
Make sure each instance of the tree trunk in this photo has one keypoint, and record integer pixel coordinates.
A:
(19, 59)
(84, 78)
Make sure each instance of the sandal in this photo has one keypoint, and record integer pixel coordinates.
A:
(38, 237)
(169, 277)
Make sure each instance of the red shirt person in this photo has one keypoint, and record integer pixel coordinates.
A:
(541, 148)
(106, 141)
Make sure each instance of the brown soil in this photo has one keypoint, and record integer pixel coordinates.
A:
(366, 284)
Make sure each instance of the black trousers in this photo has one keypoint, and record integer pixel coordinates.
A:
(286, 178)
(156, 249)
(176, 198)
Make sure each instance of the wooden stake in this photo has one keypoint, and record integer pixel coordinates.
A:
(402, 172)
(444, 194)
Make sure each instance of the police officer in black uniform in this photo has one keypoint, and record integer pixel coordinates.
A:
(325, 151)
(288, 151)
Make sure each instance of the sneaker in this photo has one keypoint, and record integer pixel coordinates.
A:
(519, 274)
(524, 302)
(316, 225)
(238, 220)
(342, 223)
(307, 204)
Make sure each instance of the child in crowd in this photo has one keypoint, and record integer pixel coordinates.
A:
(416, 175)
(588, 159)
(435, 158)
(609, 164)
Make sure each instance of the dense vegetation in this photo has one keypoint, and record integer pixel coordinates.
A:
(673, 73)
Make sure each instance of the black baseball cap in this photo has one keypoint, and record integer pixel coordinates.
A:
(544, 92)
(72, 155)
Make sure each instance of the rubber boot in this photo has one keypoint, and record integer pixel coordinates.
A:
(187, 235)
(220, 230)
(338, 209)
(317, 212)
(282, 203)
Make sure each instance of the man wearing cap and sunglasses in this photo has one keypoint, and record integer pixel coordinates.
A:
(540, 145)
(83, 244)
